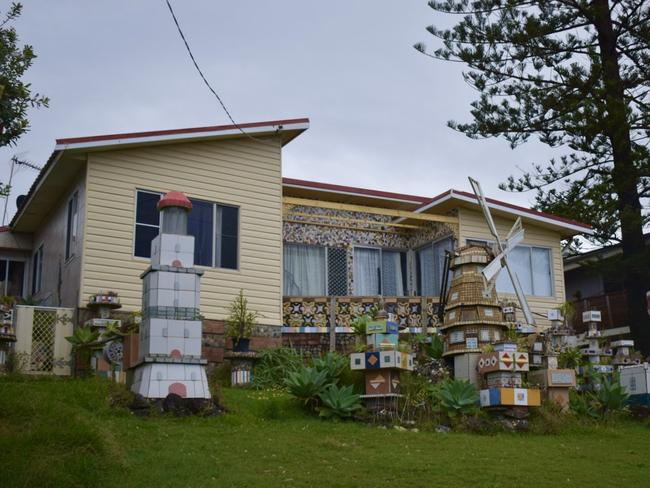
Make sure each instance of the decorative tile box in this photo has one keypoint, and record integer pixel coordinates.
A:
(501, 379)
(382, 382)
(382, 327)
(381, 359)
(552, 378)
(382, 341)
(636, 381)
(510, 397)
(503, 361)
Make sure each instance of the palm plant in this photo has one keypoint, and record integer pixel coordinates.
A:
(82, 340)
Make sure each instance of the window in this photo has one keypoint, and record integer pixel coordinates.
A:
(379, 272)
(304, 270)
(532, 266)
(430, 262)
(12, 277)
(37, 270)
(71, 229)
(215, 228)
(147, 222)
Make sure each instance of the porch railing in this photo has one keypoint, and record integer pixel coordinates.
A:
(314, 314)
(613, 308)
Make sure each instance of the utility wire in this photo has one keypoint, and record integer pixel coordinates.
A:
(207, 83)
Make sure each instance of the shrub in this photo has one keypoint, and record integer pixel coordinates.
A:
(609, 396)
(582, 405)
(338, 402)
(570, 357)
(456, 397)
(306, 384)
(333, 364)
(16, 362)
(274, 366)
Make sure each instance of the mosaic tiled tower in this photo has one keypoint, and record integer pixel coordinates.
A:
(382, 362)
(170, 332)
(472, 318)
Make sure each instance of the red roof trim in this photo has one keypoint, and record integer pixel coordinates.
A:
(191, 130)
(352, 189)
(5, 228)
(512, 206)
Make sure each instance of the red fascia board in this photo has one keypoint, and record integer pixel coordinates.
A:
(512, 206)
(171, 132)
(352, 189)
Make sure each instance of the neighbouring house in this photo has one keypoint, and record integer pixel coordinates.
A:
(305, 253)
(593, 281)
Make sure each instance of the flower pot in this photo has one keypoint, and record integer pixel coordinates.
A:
(240, 345)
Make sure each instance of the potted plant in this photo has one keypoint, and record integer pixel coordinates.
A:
(240, 323)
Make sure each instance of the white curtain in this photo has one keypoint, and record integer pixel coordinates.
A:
(392, 273)
(304, 270)
(366, 272)
(427, 287)
(542, 283)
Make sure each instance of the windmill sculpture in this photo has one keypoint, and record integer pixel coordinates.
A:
(503, 249)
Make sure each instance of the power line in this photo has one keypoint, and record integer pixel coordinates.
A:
(207, 83)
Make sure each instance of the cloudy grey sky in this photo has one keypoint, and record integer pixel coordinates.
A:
(378, 108)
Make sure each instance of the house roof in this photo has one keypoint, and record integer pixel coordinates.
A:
(350, 194)
(288, 128)
(56, 177)
(577, 260)
(438, 204)
(451, 197)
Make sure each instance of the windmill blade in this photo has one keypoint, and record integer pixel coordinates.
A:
(491, 270)
(476, 186)
(528, 315)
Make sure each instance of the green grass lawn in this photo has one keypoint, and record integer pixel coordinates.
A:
(56, 432)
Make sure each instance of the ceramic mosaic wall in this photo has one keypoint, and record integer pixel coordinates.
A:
(389, 237)
(312, 314)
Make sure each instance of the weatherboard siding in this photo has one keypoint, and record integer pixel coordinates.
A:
(239, 172)
(473, 226)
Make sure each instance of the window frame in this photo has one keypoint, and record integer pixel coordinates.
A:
(37, 270)
(215, 227)
(381, 270)
(530, 248)
(5, 279)
(72, 223)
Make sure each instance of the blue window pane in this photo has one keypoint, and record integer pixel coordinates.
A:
(229, 252)
(200, 225)
(143, 237)
(146, 211)
(229, 221)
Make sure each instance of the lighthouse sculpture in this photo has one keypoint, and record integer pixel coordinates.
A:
(170, 333)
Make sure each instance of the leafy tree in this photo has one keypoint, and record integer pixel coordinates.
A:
(576, 74)
(15, 95)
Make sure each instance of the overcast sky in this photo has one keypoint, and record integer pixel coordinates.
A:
(378, 108)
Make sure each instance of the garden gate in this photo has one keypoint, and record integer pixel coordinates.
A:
(40, 339)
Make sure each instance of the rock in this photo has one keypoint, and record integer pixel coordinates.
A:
(399, 427)
(443, 429)
(140, 406)
(415, 430)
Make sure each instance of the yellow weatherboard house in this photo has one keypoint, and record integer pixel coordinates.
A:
(306, 254)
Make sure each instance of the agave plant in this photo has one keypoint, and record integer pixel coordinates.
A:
(338, 402)
(333, 364)
(582, 404)
(306, 384)
(456, 397)
(610, 396)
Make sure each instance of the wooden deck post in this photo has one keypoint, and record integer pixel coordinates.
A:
(332, 324)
